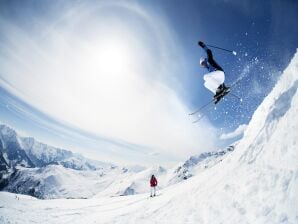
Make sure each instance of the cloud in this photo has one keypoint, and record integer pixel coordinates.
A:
(111, 76)
(237, 132)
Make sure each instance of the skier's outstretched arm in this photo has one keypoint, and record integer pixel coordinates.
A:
(208, 51)
(210, 56)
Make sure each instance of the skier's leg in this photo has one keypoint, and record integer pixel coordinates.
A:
(151, 191)
(154, 191)
(216, 100)
(225, 88)
(218, 91)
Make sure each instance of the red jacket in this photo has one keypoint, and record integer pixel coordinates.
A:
(153, 182)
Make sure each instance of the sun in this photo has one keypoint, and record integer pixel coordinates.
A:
(114, 57)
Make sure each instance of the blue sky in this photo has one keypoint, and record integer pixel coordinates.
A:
(115, 80)
(264, 31)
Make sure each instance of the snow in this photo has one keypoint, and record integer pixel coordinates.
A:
(27, 150)
(255, 183)
(238, 131)
(56, 181)
(7, 133)
(57, 173)
(5, 157)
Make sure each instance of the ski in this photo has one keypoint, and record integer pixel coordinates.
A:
(200, 118)
(237, 81)
(202, 107)
(239, 98)
(215, 101)
(221, 95)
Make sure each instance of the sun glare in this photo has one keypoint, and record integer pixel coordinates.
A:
(113, 58)
(106, 69)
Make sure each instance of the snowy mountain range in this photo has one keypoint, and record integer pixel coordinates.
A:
(257, 182)
(196, 163)
(33, 168)
(27, 152)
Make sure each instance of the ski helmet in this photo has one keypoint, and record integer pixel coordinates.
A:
(203, 62)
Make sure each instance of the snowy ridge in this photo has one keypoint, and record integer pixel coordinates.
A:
(196, 164)
(55, 181)
(30, 167)
(275, 113)
(11, 153)
(131, 183)
(16, 150)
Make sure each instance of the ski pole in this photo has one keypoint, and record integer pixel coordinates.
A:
(233, 52)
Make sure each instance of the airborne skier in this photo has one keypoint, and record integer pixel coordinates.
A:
(214, 80)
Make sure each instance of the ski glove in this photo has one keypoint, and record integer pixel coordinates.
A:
(201, 44)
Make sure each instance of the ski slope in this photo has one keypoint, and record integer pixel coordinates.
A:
(256, 183)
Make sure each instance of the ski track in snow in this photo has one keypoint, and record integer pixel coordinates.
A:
(256, 183)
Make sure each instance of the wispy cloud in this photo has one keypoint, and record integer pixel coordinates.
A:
(236, 133)
(104, 74)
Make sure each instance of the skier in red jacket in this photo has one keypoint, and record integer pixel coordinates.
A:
(153, 184)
